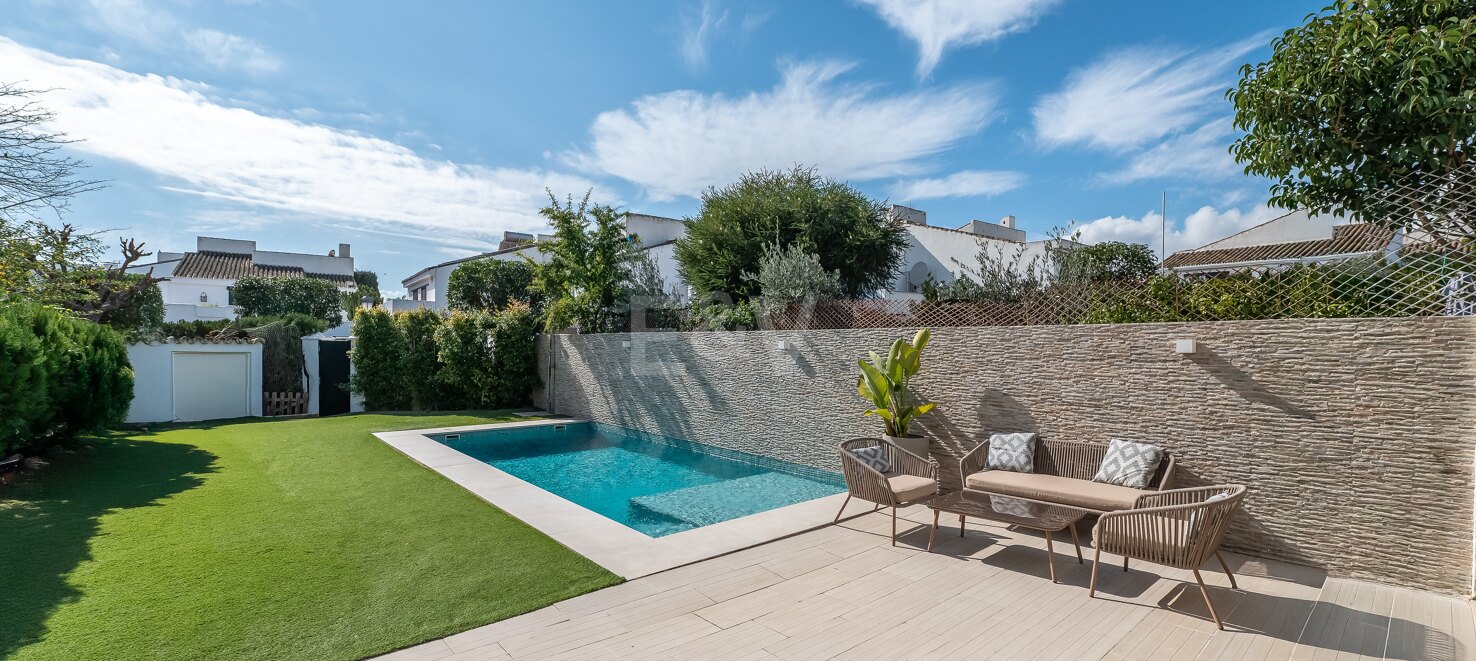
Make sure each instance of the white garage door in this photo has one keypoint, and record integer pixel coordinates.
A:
(209, 386)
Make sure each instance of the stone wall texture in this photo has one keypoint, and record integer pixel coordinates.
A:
(1355, 437)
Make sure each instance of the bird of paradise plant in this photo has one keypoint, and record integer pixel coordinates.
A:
(885, 382)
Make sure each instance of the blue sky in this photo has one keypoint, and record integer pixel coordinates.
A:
(420, 131)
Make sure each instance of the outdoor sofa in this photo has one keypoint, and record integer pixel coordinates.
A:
(1062, 475)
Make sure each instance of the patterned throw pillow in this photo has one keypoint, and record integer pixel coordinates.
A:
(1012, 452)
(875, 457)
(1013, 507)
(1129, 464)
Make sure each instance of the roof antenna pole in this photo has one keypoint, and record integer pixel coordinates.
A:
(1163, 227)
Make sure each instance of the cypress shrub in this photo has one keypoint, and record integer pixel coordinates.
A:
(376, 355)
(23, 379)
(420, 367)
(59, 377)
(514, 356)
(464, 346)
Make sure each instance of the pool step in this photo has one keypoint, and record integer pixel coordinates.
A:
(707, 504)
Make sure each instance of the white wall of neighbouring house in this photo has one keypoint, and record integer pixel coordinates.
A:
(156, 390)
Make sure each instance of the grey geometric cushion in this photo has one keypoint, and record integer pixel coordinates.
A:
(875, 457)
(1129, 464)
(1013, 506)
(1012, 452)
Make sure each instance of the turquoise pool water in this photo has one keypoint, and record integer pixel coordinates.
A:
(655, 484)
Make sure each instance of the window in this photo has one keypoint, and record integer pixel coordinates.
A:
(230, 295)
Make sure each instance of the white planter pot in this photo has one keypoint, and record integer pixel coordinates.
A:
(917, 445)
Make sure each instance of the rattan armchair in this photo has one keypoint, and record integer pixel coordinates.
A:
(1180, 528)
(912, 479)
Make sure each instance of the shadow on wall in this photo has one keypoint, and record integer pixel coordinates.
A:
(669, 409)
(1243, 384)
(995, 411)
(48, 521)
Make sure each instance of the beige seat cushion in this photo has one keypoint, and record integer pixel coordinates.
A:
(1055, 489)
(910, 487)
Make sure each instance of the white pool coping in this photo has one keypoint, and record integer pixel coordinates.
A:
(624, 551)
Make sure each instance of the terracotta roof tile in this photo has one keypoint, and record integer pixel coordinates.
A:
(1346, 239)
(234, 266)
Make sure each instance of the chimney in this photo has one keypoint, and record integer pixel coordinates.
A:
(343, 249)
(909, 214)
(1007, 221)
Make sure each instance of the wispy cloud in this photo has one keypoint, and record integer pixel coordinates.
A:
(153, 27)
(224, 51)
(1199, 154)
(1134, 96)
(968, 183)
(1204, 225)
(938, 25)
(698, 29)
(171, 128)
(679, 143)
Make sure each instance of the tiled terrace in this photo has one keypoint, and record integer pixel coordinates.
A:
(844, 592)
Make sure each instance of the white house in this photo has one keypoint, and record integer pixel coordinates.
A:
(199, 283)
(941, 253)
(1294, 238)
(428, 287)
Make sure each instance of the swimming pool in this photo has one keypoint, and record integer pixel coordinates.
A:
(657, 485)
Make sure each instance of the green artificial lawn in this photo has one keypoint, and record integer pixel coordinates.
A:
(288, 539)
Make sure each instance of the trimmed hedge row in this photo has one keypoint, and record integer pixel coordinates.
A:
(422, 360)
(59, 377)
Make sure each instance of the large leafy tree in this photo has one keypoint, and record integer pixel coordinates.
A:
(1361, 99)
(587, 278)
(489, 284)
(848, 232)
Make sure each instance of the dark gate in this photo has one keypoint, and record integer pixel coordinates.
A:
(333, 374)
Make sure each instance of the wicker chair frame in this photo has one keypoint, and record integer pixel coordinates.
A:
(1180, 528)
(1074, 459)
(868, 484)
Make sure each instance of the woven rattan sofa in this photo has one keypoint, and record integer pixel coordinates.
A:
(1062, 475)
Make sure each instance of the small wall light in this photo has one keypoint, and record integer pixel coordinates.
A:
(783, 345)
(625, 344)
(204, 298)
(1185, 345)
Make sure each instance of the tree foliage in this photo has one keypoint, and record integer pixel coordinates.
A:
(258, 296)
(35, 175)
(1361, 98)
(514, 357)
(586, 279)
(419, 362)
(464, 347)
(59, 377)
(489, 284)
(791, 275)
(377, 357)
(849, 232)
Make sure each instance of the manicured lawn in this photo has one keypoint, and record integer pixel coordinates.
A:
(296, 539)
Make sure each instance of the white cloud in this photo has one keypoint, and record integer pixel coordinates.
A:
(679, 143)
(1138, 95)
(937, 25)
(152, 27)
(1206, 224)
(968, 183)
(169, 127)
(224, 51)
(1203, 153)
(697, 33)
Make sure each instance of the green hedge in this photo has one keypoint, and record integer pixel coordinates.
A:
(59, 377)
(282, 296)
(422, 360)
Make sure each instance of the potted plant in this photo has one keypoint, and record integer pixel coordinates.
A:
(885, 383)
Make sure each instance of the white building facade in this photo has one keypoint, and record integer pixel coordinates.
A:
(198, 284)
